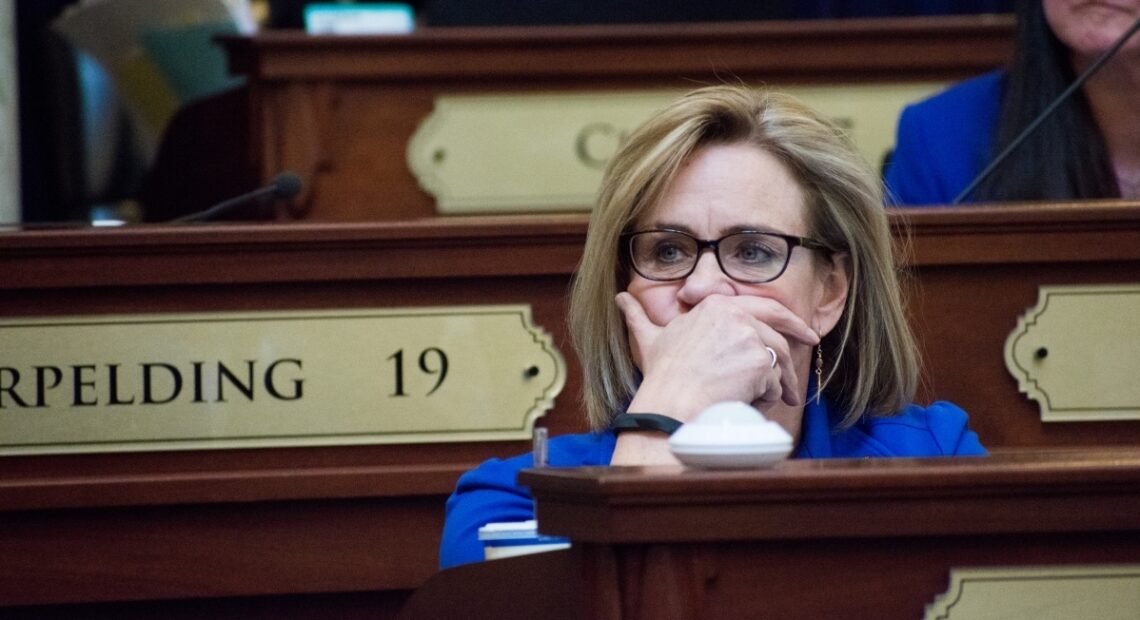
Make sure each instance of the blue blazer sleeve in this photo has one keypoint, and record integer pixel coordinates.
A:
(942, 429)
(911, 176)
(486, 494)
(950, 430)
(490, 494)
(943, 142)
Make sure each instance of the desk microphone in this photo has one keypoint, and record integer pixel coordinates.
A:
(1016, 142)
(282, 187)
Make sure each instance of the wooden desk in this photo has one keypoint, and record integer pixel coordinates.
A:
(302, 530)
(340, 110)
(846, 539)
(285, 532)
(977, 270)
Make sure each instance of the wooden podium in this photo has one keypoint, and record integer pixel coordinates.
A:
(848, 539)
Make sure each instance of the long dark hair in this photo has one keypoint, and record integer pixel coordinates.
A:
(1066, 158)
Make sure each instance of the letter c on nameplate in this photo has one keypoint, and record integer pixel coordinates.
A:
(586, 145)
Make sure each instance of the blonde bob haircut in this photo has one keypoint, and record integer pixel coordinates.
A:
(871, 352)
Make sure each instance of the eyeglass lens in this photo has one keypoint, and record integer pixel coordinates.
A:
(670, 255)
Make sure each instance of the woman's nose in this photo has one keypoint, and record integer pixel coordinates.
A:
(706, 279)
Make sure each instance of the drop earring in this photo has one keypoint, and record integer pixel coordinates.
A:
(818, 371)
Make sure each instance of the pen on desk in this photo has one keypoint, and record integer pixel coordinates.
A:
(540, 446)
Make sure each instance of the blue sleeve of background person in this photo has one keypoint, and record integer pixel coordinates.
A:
(941, 429)
(488, 493)
(943, 142)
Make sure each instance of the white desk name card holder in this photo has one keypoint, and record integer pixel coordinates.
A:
(262, 379)
(1077, 352)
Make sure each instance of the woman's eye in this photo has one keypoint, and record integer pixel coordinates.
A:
(753, 253)
(668, 253)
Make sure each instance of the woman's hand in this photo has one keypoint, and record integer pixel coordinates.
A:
(716, 352)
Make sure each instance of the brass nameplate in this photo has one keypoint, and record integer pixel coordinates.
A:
(546, 152)
(1077, 351)
(1040, 593)
(262, 379)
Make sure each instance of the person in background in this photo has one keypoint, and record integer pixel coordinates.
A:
(1087, 148)
(739, 251)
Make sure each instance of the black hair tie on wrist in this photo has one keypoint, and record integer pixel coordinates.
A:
(644, 422)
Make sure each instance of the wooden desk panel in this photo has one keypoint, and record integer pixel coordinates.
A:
(258, 525)
(849, 578)
(977, 270)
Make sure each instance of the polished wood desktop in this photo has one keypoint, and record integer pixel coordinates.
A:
(854, 539)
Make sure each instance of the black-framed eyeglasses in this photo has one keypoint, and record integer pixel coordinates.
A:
(750, 257)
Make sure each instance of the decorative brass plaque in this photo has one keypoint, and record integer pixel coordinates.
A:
(1040, 593)
(262, 379)
(546, 152)
(1077, 352)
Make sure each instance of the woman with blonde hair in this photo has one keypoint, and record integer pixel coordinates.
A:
(739, 251)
